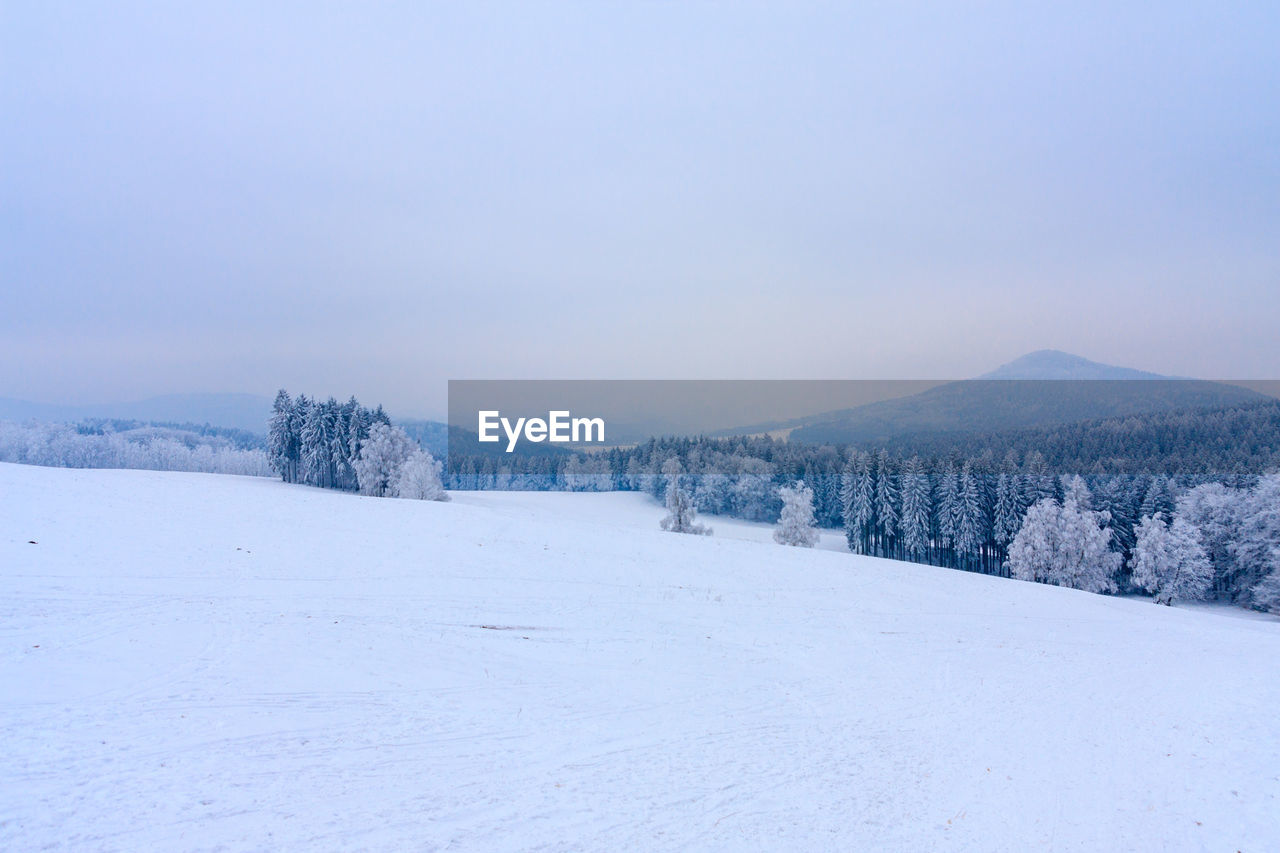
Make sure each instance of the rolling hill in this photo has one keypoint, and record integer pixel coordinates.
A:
(198, 661)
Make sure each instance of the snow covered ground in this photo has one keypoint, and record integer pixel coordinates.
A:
(204, 662)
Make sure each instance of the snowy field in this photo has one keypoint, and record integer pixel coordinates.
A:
(205, 662)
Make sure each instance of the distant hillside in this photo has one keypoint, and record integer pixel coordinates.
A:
(247, 412)
(1213, 442)
(1042, 388)
(432, 436)
(993, 405)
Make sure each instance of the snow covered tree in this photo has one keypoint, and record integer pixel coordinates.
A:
(1169, 560)
(1266, 593)
(947, 507)
(712, 493)
(795, 525)
(1064, 545)
(1075, 489)
(1008, 514)
(861, 514)
(1038, 479)
(916, 509)
(1116, 497)
(753, 496)
(1159, 498)
(848, 480)
(419, 478)
(886, 506)
(1257, 546)
(681, 514)
(381, 456)
(969, 519)
(1215, 511)
(282, 438)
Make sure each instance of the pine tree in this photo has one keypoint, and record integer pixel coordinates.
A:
(948, 510)
(969, 524)
(315, 452)
(916, 499)
(795, 524)
(1159, 498)
(1040, 482)
(1007, 518)
(848, 486)
(863, 506)
(282, 439)
(887, 511)
(1115, 496)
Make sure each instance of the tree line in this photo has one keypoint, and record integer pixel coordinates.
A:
(347, 446)
(128, 444)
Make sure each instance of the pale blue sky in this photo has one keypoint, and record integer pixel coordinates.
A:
(374, 198)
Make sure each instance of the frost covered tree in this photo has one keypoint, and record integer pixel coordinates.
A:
(916, 509)
(381, 456)
(419, 479)
(1215, 512)
(1169, 561)
(753, 496)
(861, 513)
(1075, 489)
(969, 520)
(1266, 593)
(795, 524)
(587, 473)
(1038, 479)
(282, 438)
(848, 479)
(947, 506)
(887, 513)
(1007, 515)
(1257, 545)
(1116, 497)
(713, 492)
(681, 515)
(1064, 545)
(1160, 498)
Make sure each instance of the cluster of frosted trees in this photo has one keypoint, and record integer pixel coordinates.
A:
(347, 446)
(1016, 518)
(957, 513)
(1209, 540)
(1218, 542)
(68, 446)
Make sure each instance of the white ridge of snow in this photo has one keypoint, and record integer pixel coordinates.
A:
(206, 662)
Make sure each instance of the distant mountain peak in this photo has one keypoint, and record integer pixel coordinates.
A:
(1055, 364)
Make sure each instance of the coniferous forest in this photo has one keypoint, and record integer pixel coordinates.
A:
(961, 501)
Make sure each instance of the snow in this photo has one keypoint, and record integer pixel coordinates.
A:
(209, 662)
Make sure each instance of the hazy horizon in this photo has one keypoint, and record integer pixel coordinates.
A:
(375, 200)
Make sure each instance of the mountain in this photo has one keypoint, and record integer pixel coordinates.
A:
(1040, 389)
(1055, 364)
(237, 411)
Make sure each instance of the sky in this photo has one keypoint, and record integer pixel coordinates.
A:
(375, 198)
